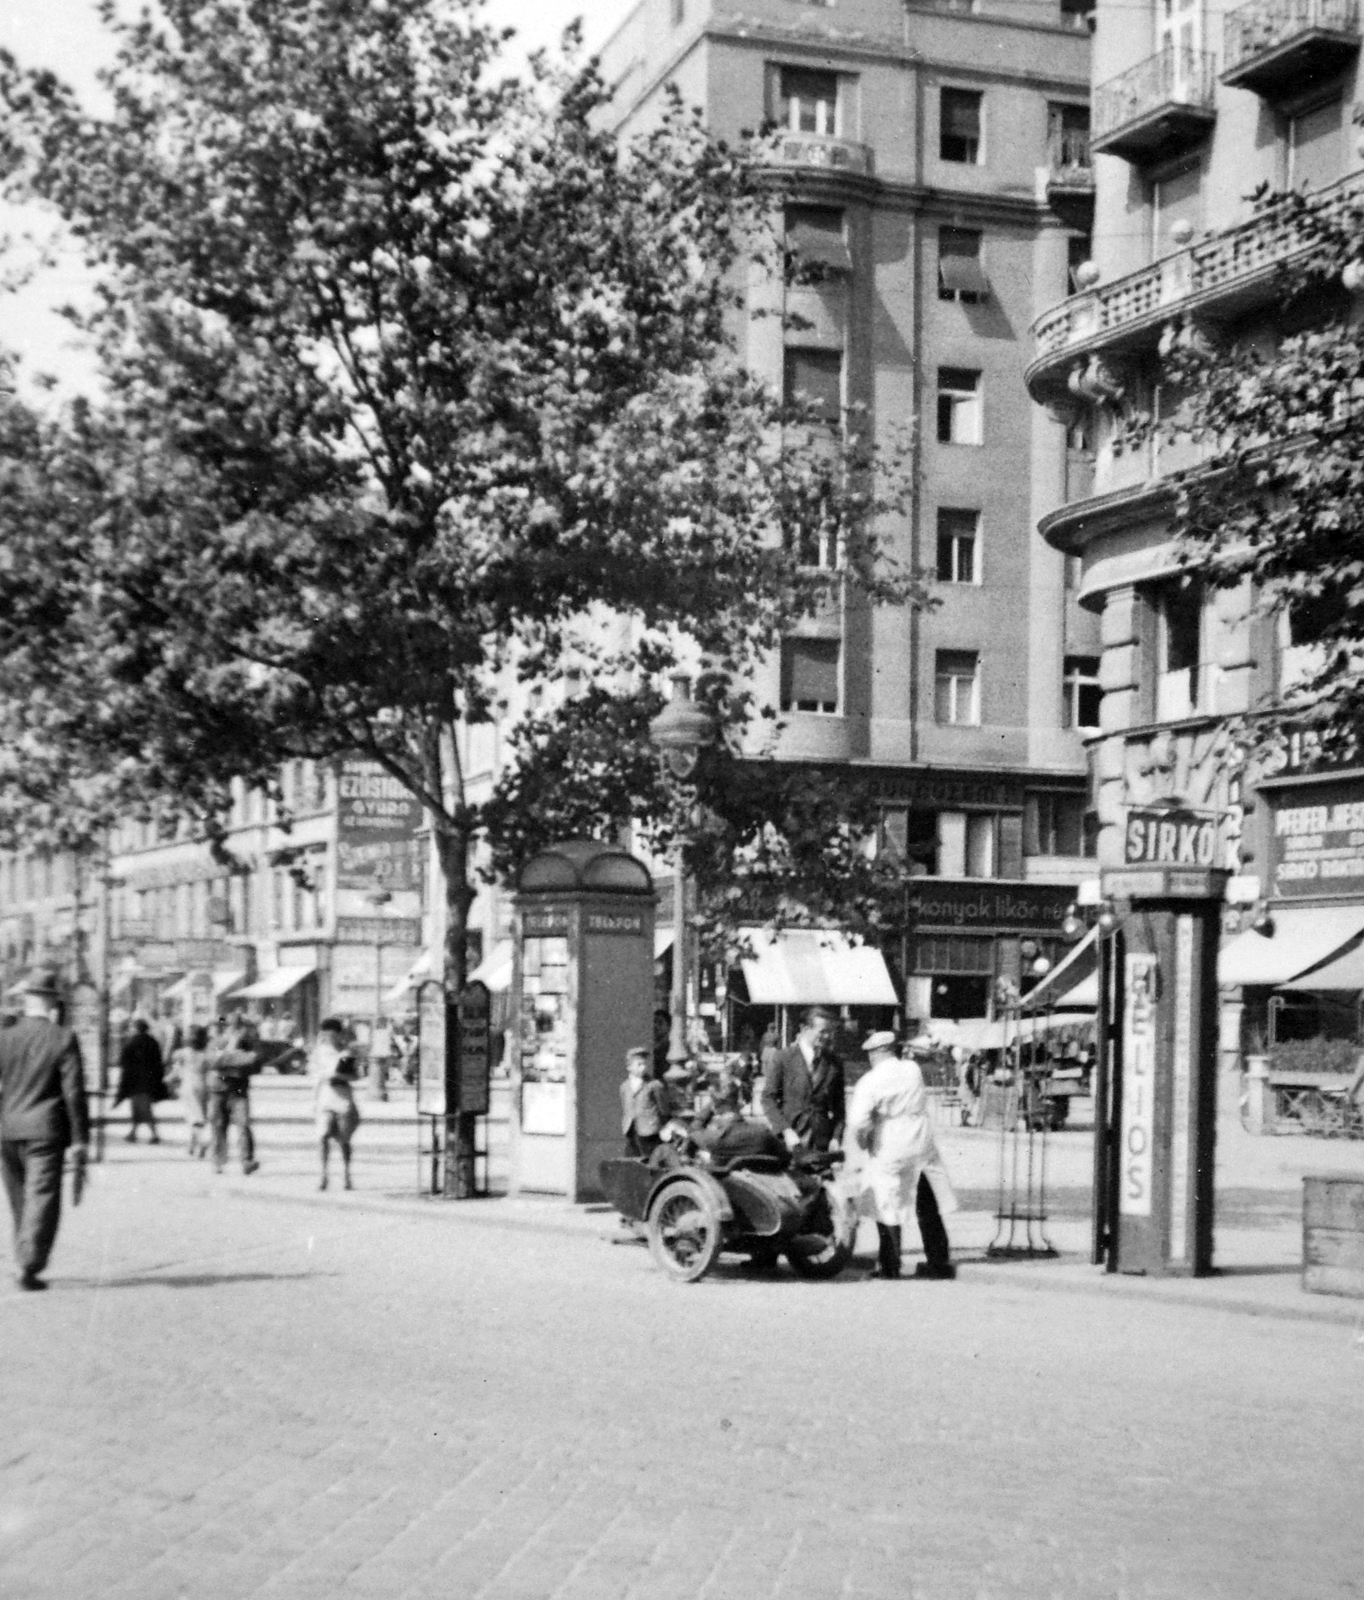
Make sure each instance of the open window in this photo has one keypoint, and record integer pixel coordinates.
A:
(960, 126)
(958, 545)
(956, 688)
(807, 100)
(959, 405)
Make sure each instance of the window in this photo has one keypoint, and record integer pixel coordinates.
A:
(814, 379)
(1315, 147)
(808, 100)
(1081, 693)
(1179, 685)
(1054, 823)
(958, 406)
(959, 131)
(911, 836)
(1079, 249)
(809, 675)
(980, 846)
(956, 688)
(1176, 203)
(1078, 14)
(815, 242)
(958, 533)
(960, 275)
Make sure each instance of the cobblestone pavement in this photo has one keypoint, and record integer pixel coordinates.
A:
(237, 1391)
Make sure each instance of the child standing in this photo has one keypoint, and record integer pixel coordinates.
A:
(337, 1115)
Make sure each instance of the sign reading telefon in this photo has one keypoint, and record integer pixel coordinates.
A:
(377, 827)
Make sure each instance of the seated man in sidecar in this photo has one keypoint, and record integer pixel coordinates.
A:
(726, 1136)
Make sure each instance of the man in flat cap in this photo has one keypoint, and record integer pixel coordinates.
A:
(904, 1173)
(42, 1111)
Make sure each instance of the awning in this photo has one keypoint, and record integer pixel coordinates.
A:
(961, 274)
(495, 969)
(1346, 971)
(815, 967)
(663, 941)
(825, 245)
(226, 980)
(1066, 976)
(420, 968)
(970, 1033)
(282, 981)
(177, 991)
(1303, 937)
(1054, 1022)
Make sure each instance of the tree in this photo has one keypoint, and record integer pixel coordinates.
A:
(1279, 497)
(416, 382)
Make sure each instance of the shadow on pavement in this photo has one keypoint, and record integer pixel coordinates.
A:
(1282, 1269)
(191, 1280)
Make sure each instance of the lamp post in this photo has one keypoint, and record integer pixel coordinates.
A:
(680, 732)
(378, 898)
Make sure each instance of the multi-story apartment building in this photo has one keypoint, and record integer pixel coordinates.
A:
(1195, 107)
(934, 159)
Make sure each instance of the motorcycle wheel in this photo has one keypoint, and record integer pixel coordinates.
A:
(685, 1232)
(824, 1254)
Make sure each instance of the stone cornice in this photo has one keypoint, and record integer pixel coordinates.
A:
(1071, 528)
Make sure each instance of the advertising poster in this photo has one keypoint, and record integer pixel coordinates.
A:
(377, 826)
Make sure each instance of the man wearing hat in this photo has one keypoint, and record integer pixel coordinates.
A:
(888, 1118)
(42, 1111)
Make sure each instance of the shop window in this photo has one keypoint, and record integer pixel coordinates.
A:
(960, 273)
(959, 126)
(808, 100)
(1054, 823)
(815, 241)
(809, 675)
(1080, 693)
(956, 688)
(959, 406)
(958, 546)
(813, 380)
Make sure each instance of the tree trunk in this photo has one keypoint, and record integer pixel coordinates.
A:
(453, 850)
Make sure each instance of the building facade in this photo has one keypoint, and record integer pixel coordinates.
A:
(1197, 106)
(934, 162)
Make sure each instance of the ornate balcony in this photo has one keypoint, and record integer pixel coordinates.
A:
(818, 152)
(1275, 47)
(1232, 272)
(1158, 108)
(1070, 178)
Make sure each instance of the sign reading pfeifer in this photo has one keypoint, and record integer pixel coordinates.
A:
(377, 824)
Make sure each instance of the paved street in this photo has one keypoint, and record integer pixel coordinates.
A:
(236, 1389)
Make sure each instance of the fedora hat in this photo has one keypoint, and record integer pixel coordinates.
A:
(42, 981)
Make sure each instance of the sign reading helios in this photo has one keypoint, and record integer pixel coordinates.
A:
(1138, 1086)
(377, 824)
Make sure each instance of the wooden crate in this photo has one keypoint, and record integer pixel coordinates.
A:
(1333, 1234)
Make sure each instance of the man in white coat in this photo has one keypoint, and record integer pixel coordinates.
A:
(888, 1118)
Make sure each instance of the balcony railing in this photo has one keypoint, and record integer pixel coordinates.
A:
(1232, 265)
(818, 152)
(1274, 46)
(1069, 158)
(1160, 106)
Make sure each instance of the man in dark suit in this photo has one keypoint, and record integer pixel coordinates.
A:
(42, 1111)
(803, 1091)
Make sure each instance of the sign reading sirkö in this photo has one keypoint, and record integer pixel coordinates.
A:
(377, 823)
(1169, 839)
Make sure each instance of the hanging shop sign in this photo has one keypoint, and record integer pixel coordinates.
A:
(378, 822)
(1156, 838)
(1316, 841)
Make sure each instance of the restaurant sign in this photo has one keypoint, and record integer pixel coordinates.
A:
(1316, 841)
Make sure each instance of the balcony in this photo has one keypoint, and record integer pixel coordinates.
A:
(1233, 272)
(1278, 47)
(1158, 108)
(817, 152)
(1070, 178)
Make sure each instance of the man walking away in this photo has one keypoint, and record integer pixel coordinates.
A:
(888, 1118)
(42, 1111)
(229, 1096)
(803, 1089)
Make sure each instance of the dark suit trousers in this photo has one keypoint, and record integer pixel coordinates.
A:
(937, 1251)
(32, 1171)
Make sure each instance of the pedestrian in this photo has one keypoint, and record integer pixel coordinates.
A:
(803, 1094)
(230, 1068)
(141, 1080)
(645, 1108)
(42, 1112)
(189, 1073)
(337, 1116)
(380, 1057)
(888, 1118)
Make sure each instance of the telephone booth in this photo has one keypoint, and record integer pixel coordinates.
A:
(583, 987)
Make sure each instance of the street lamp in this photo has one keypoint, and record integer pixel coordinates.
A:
(378, 898)
(680, 732)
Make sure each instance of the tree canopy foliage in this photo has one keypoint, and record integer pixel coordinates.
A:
(417, 384)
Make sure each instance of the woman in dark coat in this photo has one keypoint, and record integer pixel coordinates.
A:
(141, 1079)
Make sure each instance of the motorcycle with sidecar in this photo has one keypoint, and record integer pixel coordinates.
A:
(692, 1209)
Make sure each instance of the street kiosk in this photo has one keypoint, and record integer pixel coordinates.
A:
(1156, 1081)
(583, 988)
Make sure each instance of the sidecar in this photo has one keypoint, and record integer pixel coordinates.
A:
(693, 1211)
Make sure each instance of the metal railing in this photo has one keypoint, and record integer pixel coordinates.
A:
(1221, 263)
(1175, 77)
(1264, 25)
(817, 150)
